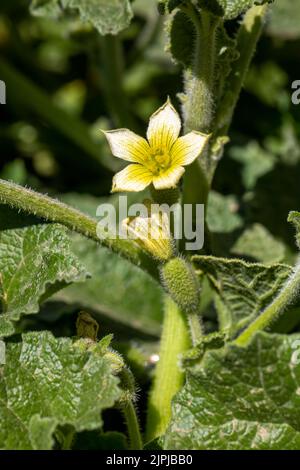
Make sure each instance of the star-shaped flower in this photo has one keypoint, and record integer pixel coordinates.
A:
(161, 158)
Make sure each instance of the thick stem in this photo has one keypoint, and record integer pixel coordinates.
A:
(168, 376)
(52, 210)
(248, 36)
(200, 89)
(199, 105)
(271, 313)
(133, 427)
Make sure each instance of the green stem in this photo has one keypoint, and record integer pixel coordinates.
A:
(247, 38)
(198, 108)
(52, 210)
(132, 423)
(195, 328)
(68, 439)
(279, 304)
(168, 376)
(112, 81)
(199, 86)
(200, 93)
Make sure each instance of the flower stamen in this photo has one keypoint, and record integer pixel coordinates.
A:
(159, 160)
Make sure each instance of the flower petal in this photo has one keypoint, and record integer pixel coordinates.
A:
(169, 178)
(134, 177)
(152, 234)
(187, 148)
(127, 145)
(164, 127)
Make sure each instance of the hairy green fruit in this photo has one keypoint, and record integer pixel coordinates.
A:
(181, 283)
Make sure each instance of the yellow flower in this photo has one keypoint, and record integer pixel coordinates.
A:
(152, 233)
(161, 158)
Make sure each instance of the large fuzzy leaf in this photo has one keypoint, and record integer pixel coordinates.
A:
(46, 383)
(230, 9)
(242, 289)
(35, 261)
(108, 17)
(241, 399)
(257, 242)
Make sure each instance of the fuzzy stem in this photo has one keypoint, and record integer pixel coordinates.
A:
(195, 328)
(52, 210)
(199, 110)
(247, 38)
(199, 107)
(168, 376)
(271, 313)
(200, 89)
(133, 427)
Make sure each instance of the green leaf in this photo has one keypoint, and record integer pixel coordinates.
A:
(269, 83)
(167, 6)
(224, 222)
(214, 340)
(258, 243)
(47, 383)
(181, 39)
(255, 160)
(51, 8)
(35, 262)
(242, 289)
(229, 9)
(107, 17)
(241, 399)
(222, 213)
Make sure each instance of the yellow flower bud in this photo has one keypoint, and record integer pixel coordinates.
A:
(152, 234)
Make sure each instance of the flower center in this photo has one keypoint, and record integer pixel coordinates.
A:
(159, 160)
